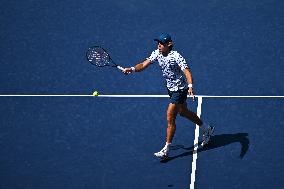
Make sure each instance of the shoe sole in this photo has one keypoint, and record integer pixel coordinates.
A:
(164, 156)
(161, 157)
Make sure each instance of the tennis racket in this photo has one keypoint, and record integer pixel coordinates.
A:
(98, 56)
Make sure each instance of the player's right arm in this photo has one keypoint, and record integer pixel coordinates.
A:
(141, 66)
(138, 67)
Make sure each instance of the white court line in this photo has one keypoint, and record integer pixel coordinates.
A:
(205, 96)
(195, 143)
(127, 96)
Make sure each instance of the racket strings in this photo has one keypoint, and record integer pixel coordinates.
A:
(98, 56)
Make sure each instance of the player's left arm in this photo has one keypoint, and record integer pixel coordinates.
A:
(188, 76)
(184, 67)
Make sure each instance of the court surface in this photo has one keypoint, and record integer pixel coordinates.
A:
(233, 49)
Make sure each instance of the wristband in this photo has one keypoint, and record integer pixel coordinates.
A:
(133, 69)
(190, 85)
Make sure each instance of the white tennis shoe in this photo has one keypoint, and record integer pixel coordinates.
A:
(163, 153)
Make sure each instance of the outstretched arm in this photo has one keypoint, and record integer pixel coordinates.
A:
(138, 67)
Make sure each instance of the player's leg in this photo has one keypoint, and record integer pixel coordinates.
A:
(185, 112)
(206, 129)
(171, 118)
(171, 128)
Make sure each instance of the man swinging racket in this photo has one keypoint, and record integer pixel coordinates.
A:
(179, 83)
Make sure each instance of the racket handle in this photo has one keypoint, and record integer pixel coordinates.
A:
(121, 68)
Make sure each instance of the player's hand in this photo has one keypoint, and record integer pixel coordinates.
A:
(191, 93)
(127, 71)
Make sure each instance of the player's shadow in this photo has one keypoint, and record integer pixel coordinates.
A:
(216, 141)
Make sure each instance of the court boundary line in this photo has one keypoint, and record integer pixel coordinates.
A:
(127, 96)
(195, 144)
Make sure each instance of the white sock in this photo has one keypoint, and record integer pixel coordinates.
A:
(168, 144)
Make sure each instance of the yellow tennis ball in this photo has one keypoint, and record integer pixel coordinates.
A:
(96, 93)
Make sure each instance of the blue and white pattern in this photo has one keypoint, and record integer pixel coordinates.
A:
(172, 67)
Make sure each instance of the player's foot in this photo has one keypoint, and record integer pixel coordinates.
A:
(163, 153)
(206, 135)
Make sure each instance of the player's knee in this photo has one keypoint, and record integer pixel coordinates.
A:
(171, 115)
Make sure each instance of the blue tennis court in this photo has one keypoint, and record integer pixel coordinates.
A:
(233, 49)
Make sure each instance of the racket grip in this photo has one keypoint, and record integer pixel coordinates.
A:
(121, 68)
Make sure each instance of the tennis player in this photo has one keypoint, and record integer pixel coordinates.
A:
(179, 83)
